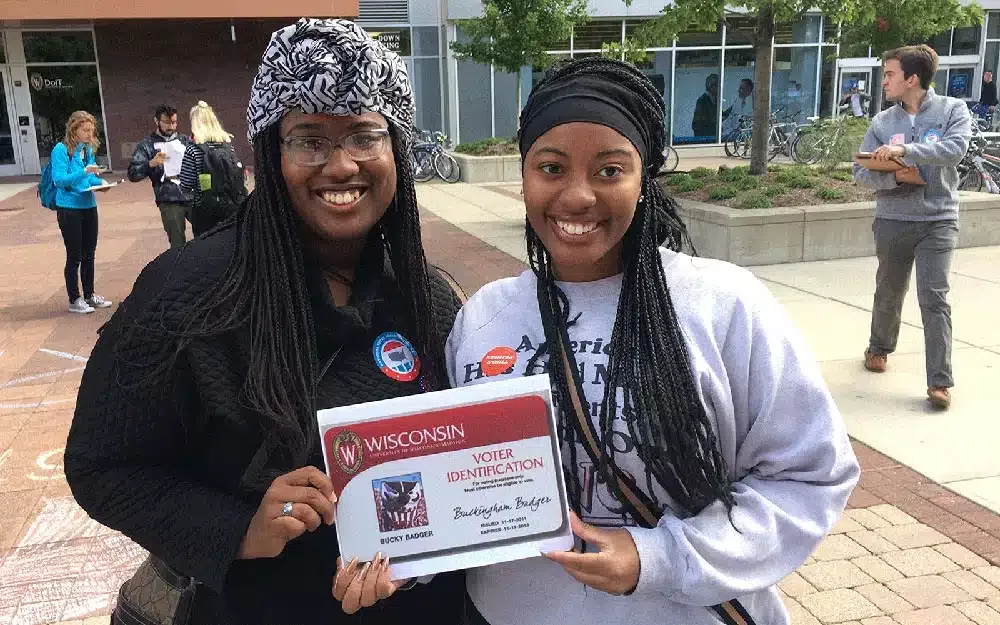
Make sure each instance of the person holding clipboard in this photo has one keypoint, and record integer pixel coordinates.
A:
(909, 157)
(74, 173)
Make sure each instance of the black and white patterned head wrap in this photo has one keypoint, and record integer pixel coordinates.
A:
(329, 66)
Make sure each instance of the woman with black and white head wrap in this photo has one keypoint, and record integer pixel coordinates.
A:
(195, 433)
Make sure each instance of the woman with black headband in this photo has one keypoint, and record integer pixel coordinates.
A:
(704, 456)
(195, 433)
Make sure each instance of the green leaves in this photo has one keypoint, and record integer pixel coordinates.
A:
(513, 33)
(887, 24)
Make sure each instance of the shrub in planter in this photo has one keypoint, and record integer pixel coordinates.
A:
(787, 174)
(749, 183)
(701, 172)
(841, 174)
(724, 192)
(829, 193)
(676, 180)
(774, 190)
(689, 185)
(799, 182)
(734, 174)
(755, 200)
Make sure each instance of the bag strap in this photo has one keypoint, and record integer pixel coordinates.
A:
(638, 503)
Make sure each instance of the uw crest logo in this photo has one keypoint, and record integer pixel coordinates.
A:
(37, 82)
(348, 452)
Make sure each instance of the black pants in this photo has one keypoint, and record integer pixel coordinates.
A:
(79, 232)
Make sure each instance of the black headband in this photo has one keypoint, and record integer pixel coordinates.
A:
(584, 99)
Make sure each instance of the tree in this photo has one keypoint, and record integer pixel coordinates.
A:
(511, 34)
(888, 24)
(708, 15)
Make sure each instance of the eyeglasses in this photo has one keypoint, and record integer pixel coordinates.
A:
(366, 145)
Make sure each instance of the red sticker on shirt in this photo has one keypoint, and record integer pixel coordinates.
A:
(498, 360)
(898, 139)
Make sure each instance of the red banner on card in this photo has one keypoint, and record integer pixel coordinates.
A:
(354, 448)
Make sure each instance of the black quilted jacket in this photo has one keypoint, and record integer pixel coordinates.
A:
(160, 447)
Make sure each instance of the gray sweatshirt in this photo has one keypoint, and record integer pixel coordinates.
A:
(935, 142)
(780, 433)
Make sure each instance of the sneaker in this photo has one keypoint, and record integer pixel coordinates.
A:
(939, 396)
(98, 302)
(875, 363)
(81, 306)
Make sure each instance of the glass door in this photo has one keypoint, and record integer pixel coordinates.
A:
(9, 146)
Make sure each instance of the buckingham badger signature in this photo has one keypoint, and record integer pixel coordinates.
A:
(519, 503)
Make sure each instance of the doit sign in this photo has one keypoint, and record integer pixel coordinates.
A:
(41, 83)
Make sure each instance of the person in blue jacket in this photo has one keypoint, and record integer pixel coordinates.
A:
(74, 171)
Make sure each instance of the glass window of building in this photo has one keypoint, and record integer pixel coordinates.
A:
(475, 114)
(737, 90)
(966, 40)
(427, 93)
(993, 25)
(696, 105)
(425, 41)
(805, 30)
(593, 35)
(990, 58)
(830, 30)
(941, 43)
(505, 107)
(658, 66)
(941, 81)
(740, 31)
(394, 39)
(693, 38)
(960, 82)
(59, 47)
(827, 79)
(793, 81)
(62, 78)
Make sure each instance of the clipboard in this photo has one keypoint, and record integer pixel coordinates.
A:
(102, 186)
(866, 160)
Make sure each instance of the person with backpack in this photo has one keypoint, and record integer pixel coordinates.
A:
(65, 188)
(211, 171)
(150, 160)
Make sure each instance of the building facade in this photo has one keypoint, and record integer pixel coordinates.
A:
(120, 58)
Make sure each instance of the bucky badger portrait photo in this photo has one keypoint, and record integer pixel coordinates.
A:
(399, 502)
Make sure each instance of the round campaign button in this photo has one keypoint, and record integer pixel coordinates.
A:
(498, 360)
(396, 357)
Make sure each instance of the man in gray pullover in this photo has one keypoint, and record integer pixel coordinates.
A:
(915, 222)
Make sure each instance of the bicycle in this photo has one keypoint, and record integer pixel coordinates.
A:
(670, 160)
(816, 144)
(978, 169)
(429, 158)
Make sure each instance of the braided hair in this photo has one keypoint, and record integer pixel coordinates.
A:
(264, 290)
(648, 360)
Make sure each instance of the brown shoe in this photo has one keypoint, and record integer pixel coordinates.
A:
(939, 397)
(875, 363)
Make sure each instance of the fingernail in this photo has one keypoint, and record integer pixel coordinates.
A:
(367, 566)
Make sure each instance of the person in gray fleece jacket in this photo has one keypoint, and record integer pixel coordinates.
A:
(915, 222)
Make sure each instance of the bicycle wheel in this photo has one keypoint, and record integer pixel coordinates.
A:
(423, 165)
(447, 167)
(971, 180)
(808, 149)
(670, 159)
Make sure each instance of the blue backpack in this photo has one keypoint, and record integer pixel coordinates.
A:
(47, 188)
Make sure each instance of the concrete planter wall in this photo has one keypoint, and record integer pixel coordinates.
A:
(489, 168)
(805, 233)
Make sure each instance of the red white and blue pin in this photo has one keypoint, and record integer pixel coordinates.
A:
(396, 357)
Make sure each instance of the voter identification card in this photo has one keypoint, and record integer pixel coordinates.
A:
(448, 480)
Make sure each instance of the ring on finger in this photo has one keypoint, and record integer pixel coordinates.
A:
(286, 510)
